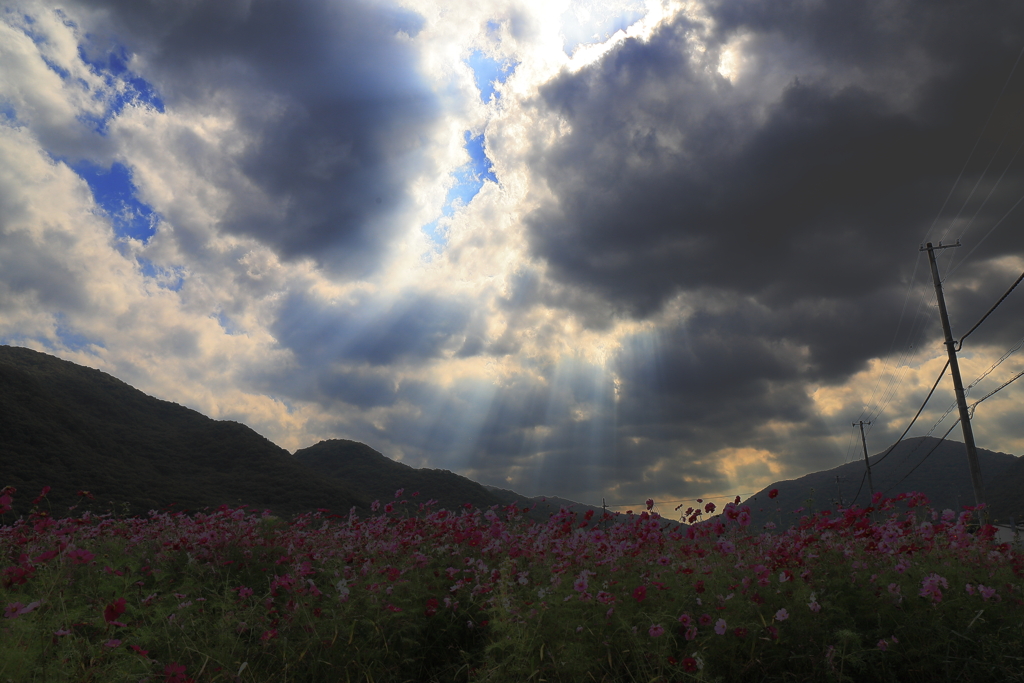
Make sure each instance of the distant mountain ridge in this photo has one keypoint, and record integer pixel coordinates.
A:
(379, 477)
(73, 428)
(943, 476)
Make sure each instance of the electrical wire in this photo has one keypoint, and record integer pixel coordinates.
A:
(959, 344)
(973, 149)
(1013, 349)
(924, 458)
(889, 450)
(971, 410)
(994, 391)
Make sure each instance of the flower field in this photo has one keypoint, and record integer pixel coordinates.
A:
(893, 592)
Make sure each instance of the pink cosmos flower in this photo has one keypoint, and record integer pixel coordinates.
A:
(16, 609)
(112, 643)
(720, 627)
(930, 587)
(691, 633)
(781, 615)
(987, 593)
(656, 630)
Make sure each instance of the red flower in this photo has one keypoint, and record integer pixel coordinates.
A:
(114, 610)
(773, 493)
(175, 673)
(689, 664)
(639, 593)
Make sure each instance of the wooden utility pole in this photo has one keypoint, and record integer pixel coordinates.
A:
(958, 385)
(867, 463)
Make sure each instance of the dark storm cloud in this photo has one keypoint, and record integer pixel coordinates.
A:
(328, 94)
(674, 179)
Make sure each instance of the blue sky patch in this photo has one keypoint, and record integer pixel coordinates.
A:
(168, 278)
(469, 179)
(487, 72)
(72, 340)
(128, 87)
(114, 191)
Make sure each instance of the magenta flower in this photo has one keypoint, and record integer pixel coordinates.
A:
(79, 556)
(114, 610)
(691, 633)
(656, 630)
(987, 593)
(930, 587)
(639, 593)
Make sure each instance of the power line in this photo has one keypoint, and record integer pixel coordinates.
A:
(996, 390)
(972, 409)
(960, 344)
(1013, 349)
(973, 149)
(924, 458)
(889, 450)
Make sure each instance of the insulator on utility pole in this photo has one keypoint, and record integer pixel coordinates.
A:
(958, 385)
(867, 463)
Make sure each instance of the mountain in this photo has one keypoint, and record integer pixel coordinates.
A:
(943, 476)
(74, 428)
(378, 477)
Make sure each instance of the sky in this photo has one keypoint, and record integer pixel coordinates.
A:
(604, 250)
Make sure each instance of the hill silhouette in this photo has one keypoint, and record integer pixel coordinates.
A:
(943, 476)
(74, 428)
(378, 477)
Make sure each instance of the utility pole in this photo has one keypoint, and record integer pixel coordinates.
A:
(958, 385)
(867, 463)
